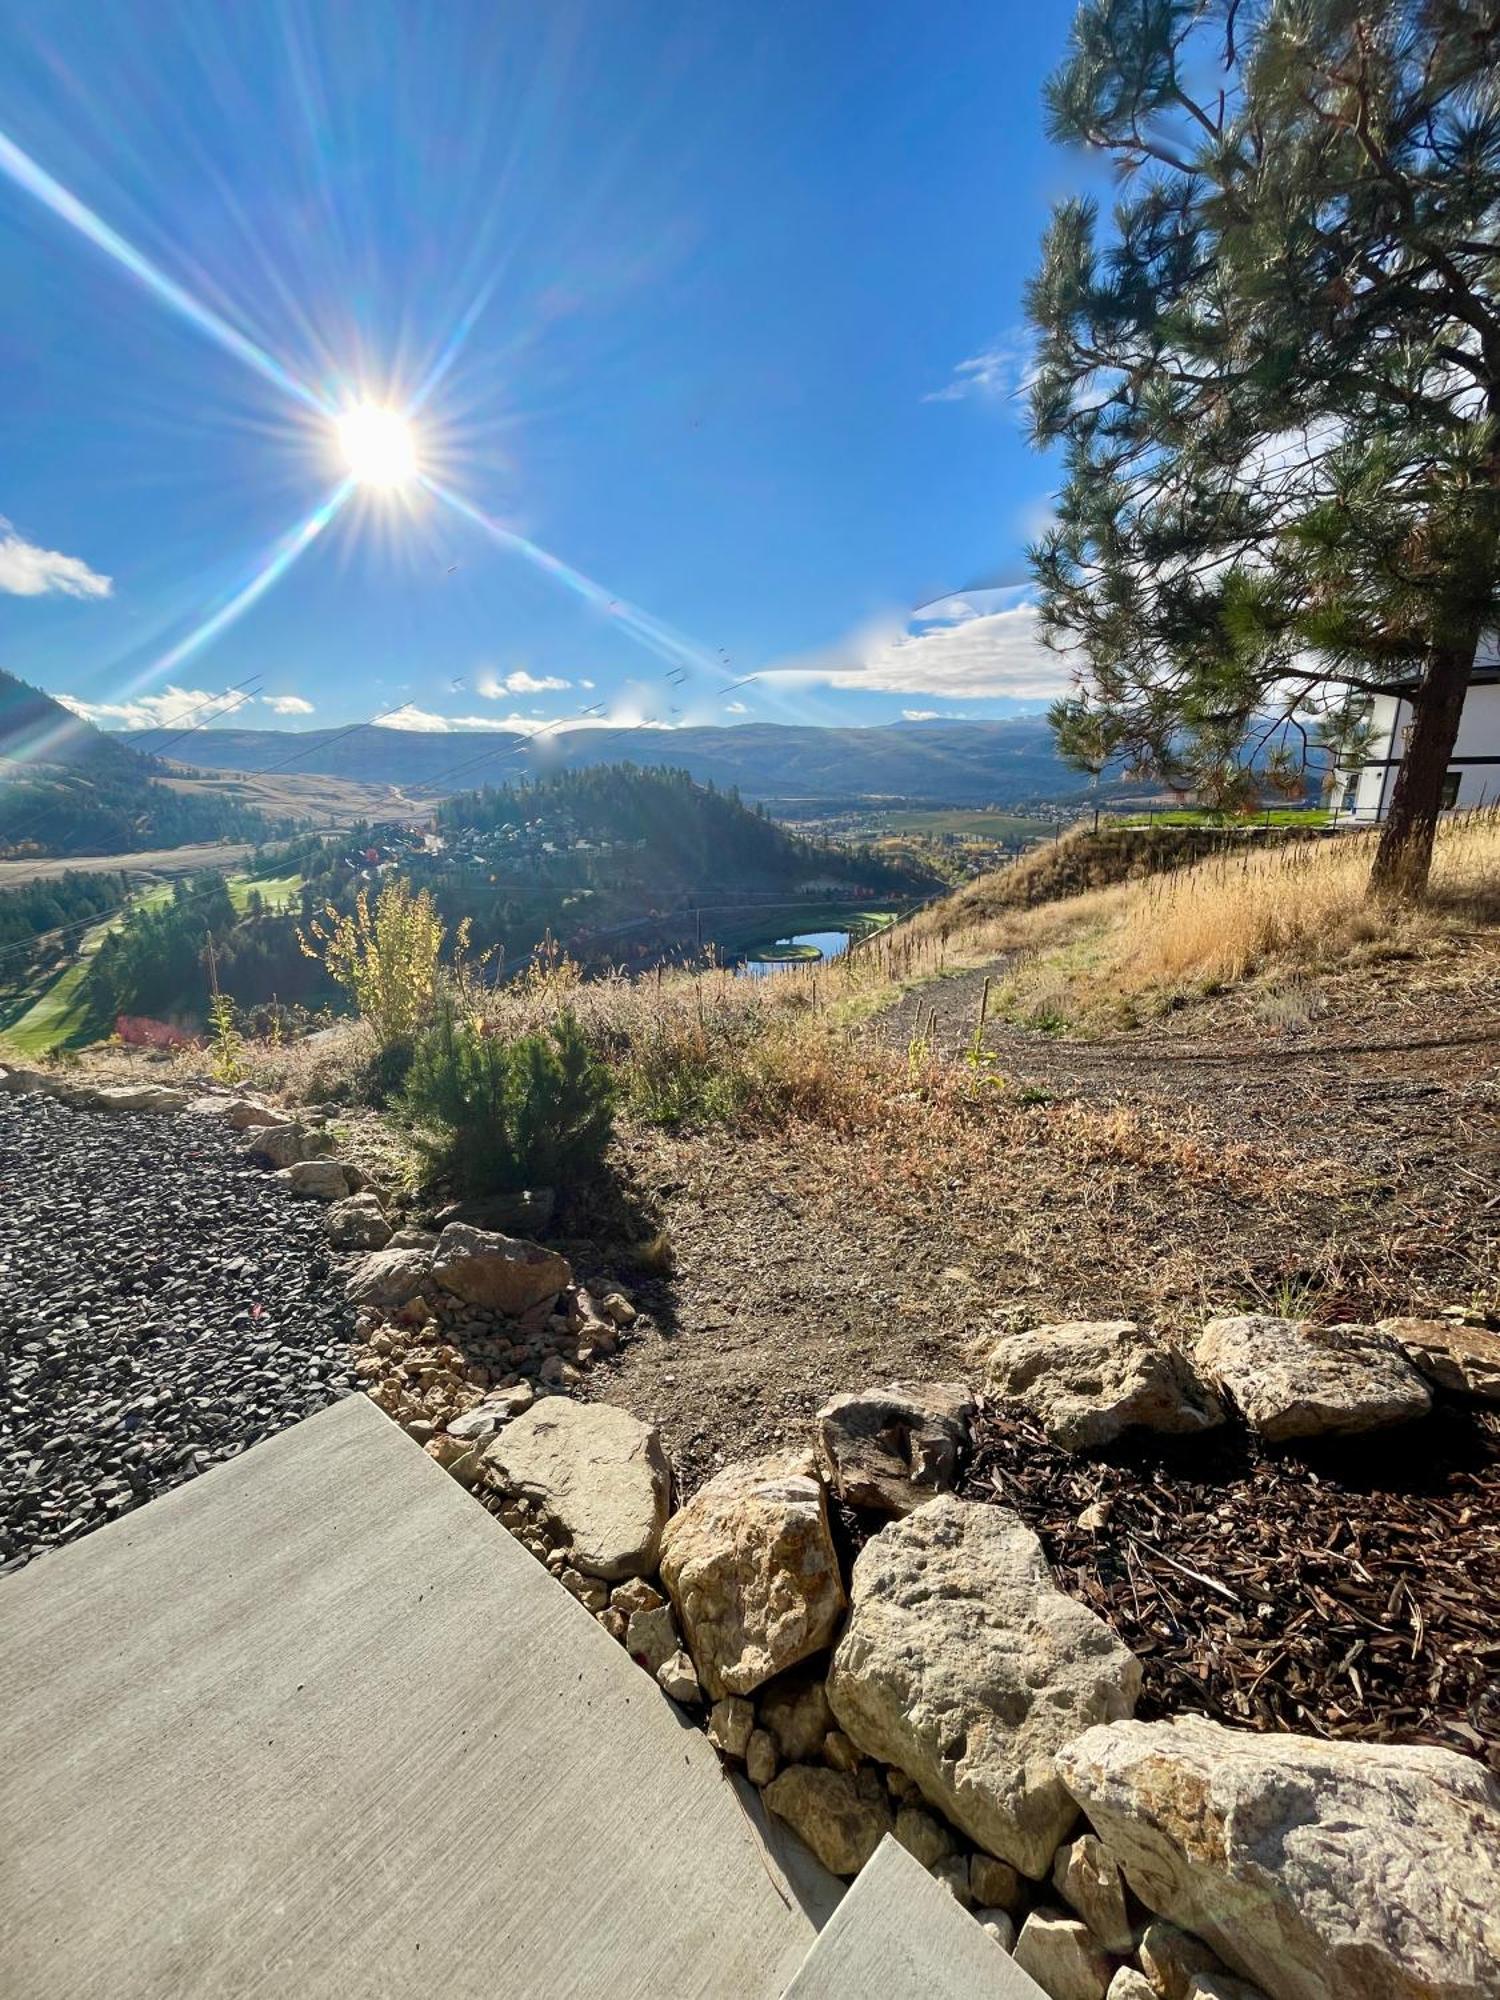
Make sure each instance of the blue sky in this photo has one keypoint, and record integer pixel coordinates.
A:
(718, 305)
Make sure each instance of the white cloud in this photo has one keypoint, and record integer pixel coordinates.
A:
(976, 647)
(159, 711)
(920, 714)
(27, 571)
(999, 374)
(520, 682)
(429, 722)
(735, 708)
(288, 704)
(586, 684)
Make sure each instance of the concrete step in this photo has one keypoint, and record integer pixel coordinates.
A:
(900, 1935)
(315, 1725)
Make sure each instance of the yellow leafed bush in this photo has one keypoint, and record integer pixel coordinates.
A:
(386, 958)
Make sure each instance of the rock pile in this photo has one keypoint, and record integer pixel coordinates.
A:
(947, 1691)
(454, 1324)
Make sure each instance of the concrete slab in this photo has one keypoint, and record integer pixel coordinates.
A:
(901, 1935)
(314, 1725)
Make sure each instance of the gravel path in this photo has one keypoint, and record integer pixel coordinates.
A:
(163, 1304)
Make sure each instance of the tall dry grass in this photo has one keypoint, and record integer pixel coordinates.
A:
(1226, 918)
(1297, 909)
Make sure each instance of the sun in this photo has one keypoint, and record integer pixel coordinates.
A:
(378, 445)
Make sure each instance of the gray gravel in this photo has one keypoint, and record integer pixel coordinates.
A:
(163, 1305)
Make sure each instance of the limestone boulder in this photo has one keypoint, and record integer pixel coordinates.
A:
(841, 1818)
(652, 1638)
(999, 1925)
(678, 1679)
(925, 1838)
(243, 1114)
(1450, 1356)
(1317, 1869)
(358, 1223)
(797, 1714)
(1294, 1379)
(479, 1425)
(1087, 1878)
(20, 1082)
(284, 1145)
(596, 1474)
(316, 1180)
(139, 1097)
(512, 1401)
(890, 1449)
(964, 1665)
(731, 1722)
(994, 1884)
(1172, 1959)
(1088, 1381)
(390, 1278)
(1128, 1984)
(760, 1757)
(751, 1568)
(505, 1273)
(1064, 1960)
(407, 1238)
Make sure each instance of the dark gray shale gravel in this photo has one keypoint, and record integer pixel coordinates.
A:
(163, 1305)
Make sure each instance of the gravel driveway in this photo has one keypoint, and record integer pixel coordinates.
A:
(163, 1304)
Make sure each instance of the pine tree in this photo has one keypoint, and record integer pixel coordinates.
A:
(1276, 378)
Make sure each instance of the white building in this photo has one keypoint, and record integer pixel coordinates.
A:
(1362, 792)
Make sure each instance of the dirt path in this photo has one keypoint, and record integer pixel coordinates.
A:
(1350, 1171)
(1386, 1071)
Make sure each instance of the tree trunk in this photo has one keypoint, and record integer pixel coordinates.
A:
(1403, 859)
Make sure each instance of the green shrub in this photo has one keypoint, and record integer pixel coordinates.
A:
(383, 1075)
(493, 1114)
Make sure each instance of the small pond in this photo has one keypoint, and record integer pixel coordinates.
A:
(806, 948)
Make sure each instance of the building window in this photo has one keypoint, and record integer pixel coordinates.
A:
(1450, 790)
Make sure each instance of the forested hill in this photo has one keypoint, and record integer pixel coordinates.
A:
(1005, 762)
(618, 825)
(67, 788)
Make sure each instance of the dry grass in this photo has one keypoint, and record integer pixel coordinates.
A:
(789, 1055)
(1287, 913)
(1307, 903)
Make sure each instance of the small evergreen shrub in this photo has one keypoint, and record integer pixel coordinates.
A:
(383, 1076)
(493, 1114)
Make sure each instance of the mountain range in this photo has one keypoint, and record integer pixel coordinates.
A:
(67, 788)
(1011, 762)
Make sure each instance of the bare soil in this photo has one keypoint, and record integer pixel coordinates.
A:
(1346, 1170)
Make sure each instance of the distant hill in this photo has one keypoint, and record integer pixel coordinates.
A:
(67, 788)
(632, 833)
(965, 763)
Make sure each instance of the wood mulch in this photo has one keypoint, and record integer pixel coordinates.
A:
(1349, 1590)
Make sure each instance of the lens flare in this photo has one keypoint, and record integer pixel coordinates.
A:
(650, 632)
(37, 182)
(378, 445)
(271, 571)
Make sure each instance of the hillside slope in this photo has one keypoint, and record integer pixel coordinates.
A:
(67, 788)
(655, 828)
(1004, 763)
